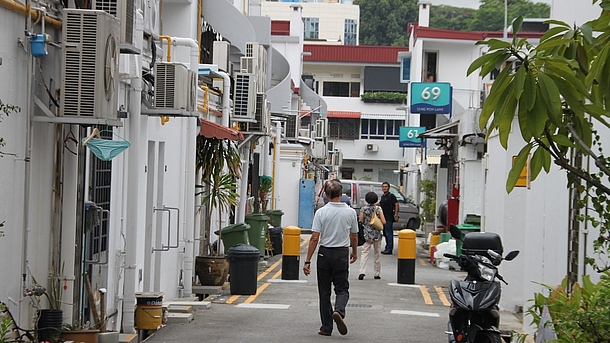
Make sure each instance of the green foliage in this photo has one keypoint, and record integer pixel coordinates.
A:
(6, 325)
(218, 185)
(560, 93)
(384, 22)
(392, 97)
(428, 205)
(265, 183)
(579, 316)
(6, 110)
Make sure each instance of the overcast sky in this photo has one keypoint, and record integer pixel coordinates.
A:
(469, 3)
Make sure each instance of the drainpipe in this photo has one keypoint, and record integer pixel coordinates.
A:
(189, 199)
(132, 197)
(244, 153)
(277, 141)
(226, 98)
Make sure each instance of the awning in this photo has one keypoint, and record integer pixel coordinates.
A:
(213, 130)
(343, 114)
(439, 131)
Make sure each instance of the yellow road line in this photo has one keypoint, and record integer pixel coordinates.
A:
(258, 292)
(442, 296)
(277, 275)
(422, 261)
(263, 274)
(426, 295)
(232, 299)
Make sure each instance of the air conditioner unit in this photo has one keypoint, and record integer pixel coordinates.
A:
(336, 158)
(151, 16)
(321, 129)
(304, 133)
(372, 147)
(90, 64)
(291, 129)
(244, 102)
(252, 49)
(191, 104)
(248, 65)
(220, 55)
(173, 84)
(124, 10)
(261, 115)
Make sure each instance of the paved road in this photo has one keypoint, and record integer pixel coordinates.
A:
(378, 310)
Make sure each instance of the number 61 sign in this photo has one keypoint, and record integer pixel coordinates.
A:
(430, 97)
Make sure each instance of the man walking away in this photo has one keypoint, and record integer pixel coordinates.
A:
(389, 205)
(335, 228)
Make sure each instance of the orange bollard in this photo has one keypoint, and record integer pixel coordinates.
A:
(291, 253)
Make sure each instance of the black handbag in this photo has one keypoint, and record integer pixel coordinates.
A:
(361, 239)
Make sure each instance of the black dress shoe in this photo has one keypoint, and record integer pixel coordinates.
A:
(386, 252)
(361, 277)
(377, 277)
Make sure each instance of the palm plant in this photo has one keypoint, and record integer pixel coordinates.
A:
(219, 164)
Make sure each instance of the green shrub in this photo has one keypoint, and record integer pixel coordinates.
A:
(384, 97)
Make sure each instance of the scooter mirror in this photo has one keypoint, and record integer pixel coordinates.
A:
(496, 258)
(455, 232)
(511, 255)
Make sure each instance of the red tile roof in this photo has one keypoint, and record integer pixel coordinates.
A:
(210, 129)
(428, 32)
(353, 53)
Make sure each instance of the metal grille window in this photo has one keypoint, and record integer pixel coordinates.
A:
(342, 89)
(382, 129)
(100, 195)
(351, 31)
(312, 28)
(343, 128)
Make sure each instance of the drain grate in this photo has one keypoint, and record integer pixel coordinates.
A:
(359, 305)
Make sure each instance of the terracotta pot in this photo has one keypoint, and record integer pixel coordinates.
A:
(82, 336)
(211, 270)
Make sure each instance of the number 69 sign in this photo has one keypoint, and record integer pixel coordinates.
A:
(430, 97)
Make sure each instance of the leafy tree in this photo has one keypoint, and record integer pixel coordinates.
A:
(490, 16)
(384, 22)
(451, 18)
(560, 93)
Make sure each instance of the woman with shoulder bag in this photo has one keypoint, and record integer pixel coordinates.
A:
(371, 234)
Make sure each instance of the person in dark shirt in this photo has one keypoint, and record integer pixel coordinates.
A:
(389, 205)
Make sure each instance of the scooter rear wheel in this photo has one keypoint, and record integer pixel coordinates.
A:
(488, 337)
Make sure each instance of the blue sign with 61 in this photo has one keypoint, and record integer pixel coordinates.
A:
(407, 137)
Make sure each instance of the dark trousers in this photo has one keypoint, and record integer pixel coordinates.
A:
(388, 233)
(332, 269)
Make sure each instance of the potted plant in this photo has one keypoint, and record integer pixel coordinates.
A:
(6, 325)
(265, 185)
(219, 164)
(50, 319)
(79, 333)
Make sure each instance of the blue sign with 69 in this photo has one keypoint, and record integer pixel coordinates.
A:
(431, 97)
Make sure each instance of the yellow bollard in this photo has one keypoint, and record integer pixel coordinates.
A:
(291, 253)
(407, 251)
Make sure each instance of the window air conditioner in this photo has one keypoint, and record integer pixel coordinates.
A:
(244, 102)
(173, 87)
(372, 147)
(90, 64)
(122, 10)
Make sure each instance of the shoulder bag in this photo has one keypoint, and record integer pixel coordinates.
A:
(375, 221)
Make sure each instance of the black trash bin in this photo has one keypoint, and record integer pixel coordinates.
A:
(275, 235)
(243, 269)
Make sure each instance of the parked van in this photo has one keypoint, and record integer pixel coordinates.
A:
(408, 216)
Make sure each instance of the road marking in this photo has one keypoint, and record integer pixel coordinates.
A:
(403, 285)
(442, 296)
(258, 292)
(267, 306)
(272, 267)
(232, 299)
(424, 292)
(286, 281)
(422, 262)
(415, 313)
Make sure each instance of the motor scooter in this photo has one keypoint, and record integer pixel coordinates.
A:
(474, 316)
